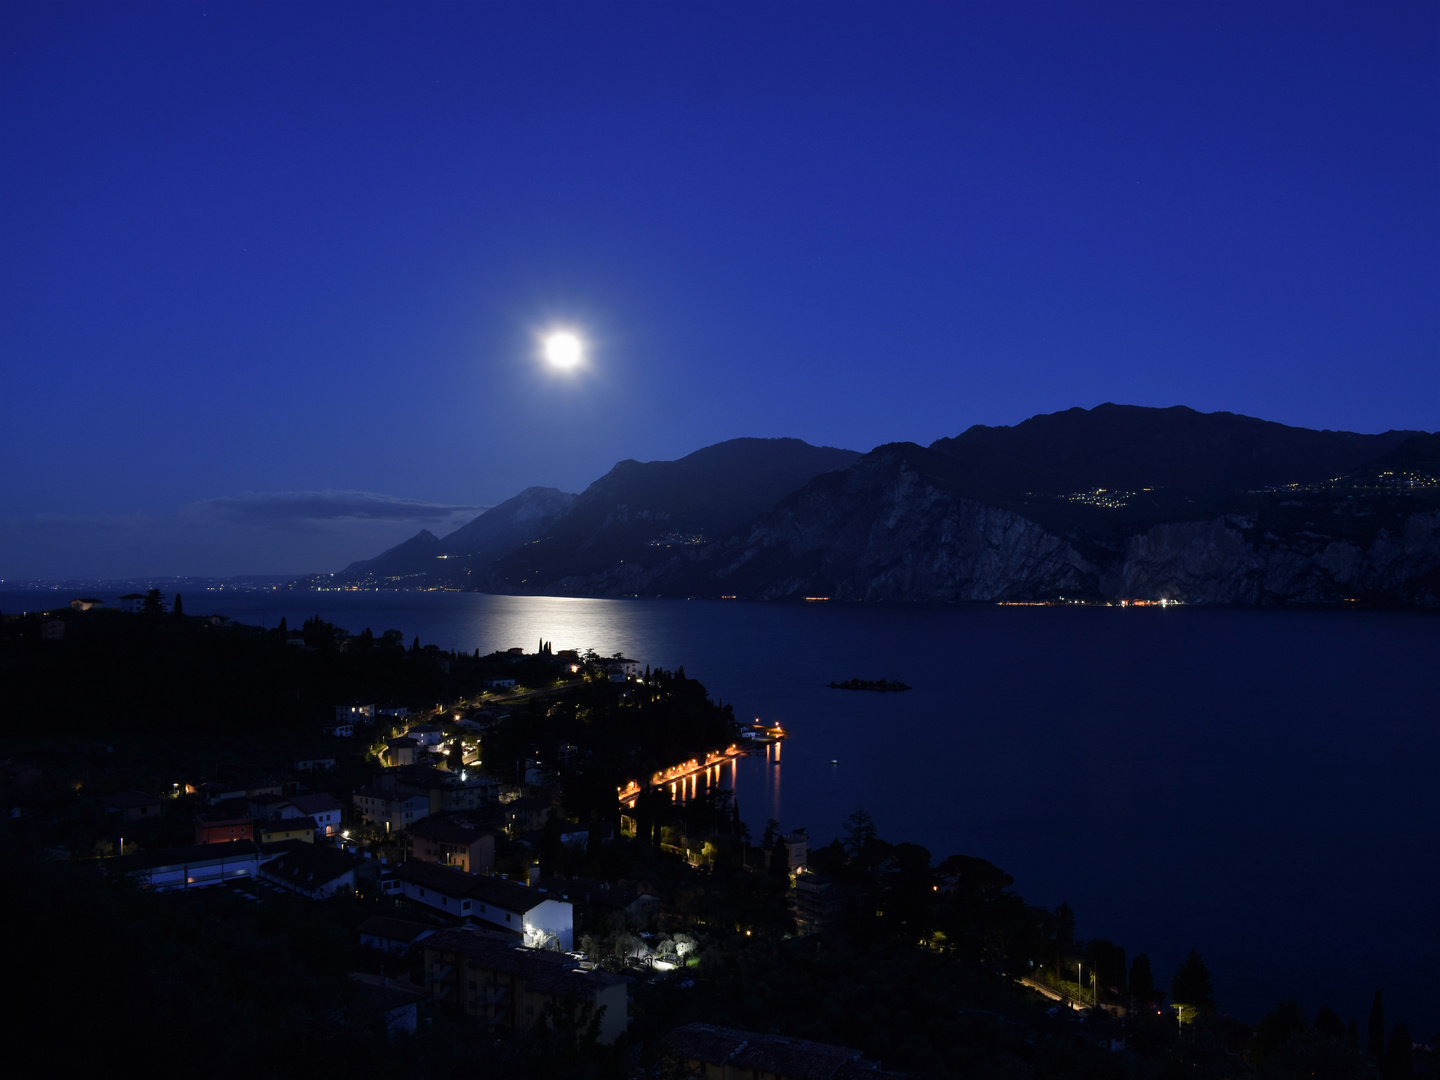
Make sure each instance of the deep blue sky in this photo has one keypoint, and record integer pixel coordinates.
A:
(287, 248)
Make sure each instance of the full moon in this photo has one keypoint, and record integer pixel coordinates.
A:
(563, 349)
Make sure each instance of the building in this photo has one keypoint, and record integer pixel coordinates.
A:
(578, 836)
(290, 828)
(341, 729)
(323, 809)
(132, 805)
(272, 806)
(400, 751)
(820, 904)
(86, 603)
(318, 763)
(316, 872)
(797, 849)
(214, 794)
(598, 895)
(396, 810)
(510, 987)
(718, 1053)
(427, 735)
(499, 684)
(541, 921)
(446, 841)
(132, 603)
(221, 827)
(447, 790)
(355, 713)
(527, 814)
(52, 630)
(189, 867)
(389, 935)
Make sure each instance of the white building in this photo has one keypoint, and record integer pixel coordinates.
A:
(325, 809)
(540, 920)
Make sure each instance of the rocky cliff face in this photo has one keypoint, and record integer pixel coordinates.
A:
(887, 529)
(1111, 503)
(892, 528)
(1231, 561)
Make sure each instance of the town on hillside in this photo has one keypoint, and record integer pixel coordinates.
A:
(532, 855)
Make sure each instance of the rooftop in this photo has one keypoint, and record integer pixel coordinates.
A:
(129, 800)
(393, 929)
(193, 855)
(503, 894)
(799, 1059)
(316, 804)
(307, 866)
(447, 830)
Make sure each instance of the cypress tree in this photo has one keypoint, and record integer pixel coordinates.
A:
(1142, 980)
(1352, 1036)
(178, 610)
(282, 629)
(1191, 984)
(1375, 1045)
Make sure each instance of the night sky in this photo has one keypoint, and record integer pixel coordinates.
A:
(272, 274)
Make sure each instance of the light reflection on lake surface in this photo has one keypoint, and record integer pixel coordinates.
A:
(1258, 784)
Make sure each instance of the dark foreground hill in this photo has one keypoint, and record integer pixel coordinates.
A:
(1115, 502)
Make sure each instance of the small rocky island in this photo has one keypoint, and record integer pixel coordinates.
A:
(868, 684)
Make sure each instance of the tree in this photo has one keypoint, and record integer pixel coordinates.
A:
(1329, 1024)
(859, 832)
(1142, 980)
(154, 603)
(1375, 1045)
(1108, 962)
(1278, 1027)
(1191, 984)
(178, 610)
(1399, 1063)
(772, 830)
(552, 848)
(1064, 933)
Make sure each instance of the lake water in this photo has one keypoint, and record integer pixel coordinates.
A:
(1261, 785)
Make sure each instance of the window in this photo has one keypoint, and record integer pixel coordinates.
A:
(507, 916)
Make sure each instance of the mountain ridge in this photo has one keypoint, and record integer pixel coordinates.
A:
(1112, 502)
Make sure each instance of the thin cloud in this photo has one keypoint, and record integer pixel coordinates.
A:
(281, 508)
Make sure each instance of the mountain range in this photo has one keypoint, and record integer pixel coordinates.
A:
(1114, 502)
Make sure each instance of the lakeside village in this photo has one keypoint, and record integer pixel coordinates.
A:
(417, 860)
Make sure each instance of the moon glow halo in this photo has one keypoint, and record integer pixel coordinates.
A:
(562, 349)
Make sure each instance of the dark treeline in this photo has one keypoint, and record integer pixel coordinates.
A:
(158, 674)
(616, 732)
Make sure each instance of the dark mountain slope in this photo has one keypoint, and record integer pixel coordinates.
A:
(401, 566)
(512, 523)
(891, 527)
(906, 523)
(641, 514)
(1130, 447)
(426, 561)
